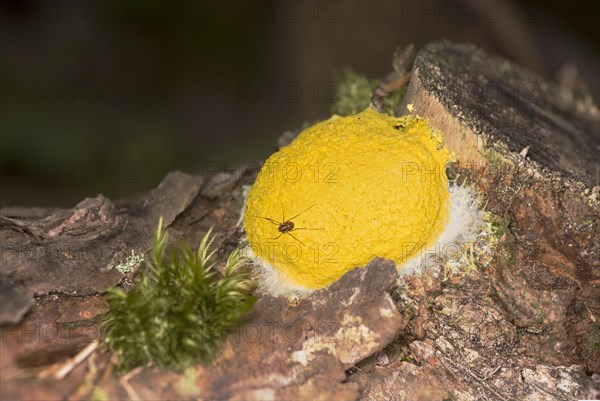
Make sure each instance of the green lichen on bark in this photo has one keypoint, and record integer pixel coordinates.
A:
(505, 251)
(593, 343)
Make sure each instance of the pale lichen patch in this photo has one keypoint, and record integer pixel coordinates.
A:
(352, 340)
(385, 312)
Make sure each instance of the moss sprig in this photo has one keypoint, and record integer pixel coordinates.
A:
(353, 92)
(178, 312)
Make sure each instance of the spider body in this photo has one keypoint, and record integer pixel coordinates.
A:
(287, 226)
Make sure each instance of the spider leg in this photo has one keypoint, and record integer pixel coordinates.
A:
(282, 212)
(292, 235)
(304, 228)
(305, 210)
(277, 236)
(268, 219)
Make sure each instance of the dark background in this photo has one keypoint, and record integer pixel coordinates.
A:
(107, 97)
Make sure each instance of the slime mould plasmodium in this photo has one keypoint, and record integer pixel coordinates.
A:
(346, 190)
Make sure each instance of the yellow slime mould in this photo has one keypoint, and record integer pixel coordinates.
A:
(347, 190)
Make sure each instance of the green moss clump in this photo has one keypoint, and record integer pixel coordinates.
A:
(354, 93)
(392, 102)
(178, 312)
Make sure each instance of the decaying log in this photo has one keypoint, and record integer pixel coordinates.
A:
(526, 327)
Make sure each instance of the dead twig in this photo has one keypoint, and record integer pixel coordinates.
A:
(397, 84)
(131, 393)
(72, 363)
(491, 374)
(474, 376)
(60, 370)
